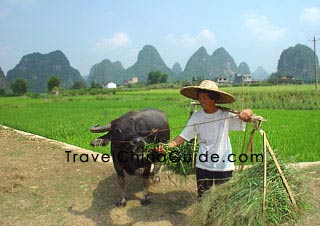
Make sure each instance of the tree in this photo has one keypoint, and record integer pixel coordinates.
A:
(155, 77)
(19, 86)
(78, 85)
(2, 91)
(54, 81)
(95, 84)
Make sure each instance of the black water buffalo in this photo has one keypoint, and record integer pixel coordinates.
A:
(128, 135)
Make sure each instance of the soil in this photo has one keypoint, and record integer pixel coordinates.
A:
(40, 187)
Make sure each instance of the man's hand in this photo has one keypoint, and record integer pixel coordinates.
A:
(245, 115)
(174, 143)
(161, 148)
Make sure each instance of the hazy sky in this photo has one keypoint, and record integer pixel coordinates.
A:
(89, 31)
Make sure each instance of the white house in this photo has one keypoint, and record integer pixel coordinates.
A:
(221, 80)
(110, 85)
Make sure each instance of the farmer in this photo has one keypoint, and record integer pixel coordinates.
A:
(214, 162)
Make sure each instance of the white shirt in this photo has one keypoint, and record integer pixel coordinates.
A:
(213, 137)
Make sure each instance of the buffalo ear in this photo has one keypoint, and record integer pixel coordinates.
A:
(101, 141)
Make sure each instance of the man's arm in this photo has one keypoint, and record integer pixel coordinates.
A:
(176, 142)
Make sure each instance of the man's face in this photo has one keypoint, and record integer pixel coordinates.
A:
(205, 100)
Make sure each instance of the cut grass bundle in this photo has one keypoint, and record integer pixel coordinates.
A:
(179, 160)
(239, 202)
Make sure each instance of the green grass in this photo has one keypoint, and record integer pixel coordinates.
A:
(292, 114)
(293, 134)
(294, 97)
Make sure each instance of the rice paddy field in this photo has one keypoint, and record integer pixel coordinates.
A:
(292, 114)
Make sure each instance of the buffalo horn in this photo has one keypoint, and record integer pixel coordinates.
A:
(100, 129)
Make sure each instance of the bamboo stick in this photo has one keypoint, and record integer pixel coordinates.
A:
(194, 151)
(264, 172)
(249, 147)
(284, 180)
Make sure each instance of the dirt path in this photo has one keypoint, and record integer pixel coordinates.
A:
(39, 187)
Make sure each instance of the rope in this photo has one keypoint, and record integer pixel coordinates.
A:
(154, 130)
(179, 127)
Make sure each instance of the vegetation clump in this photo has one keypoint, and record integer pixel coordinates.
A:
(179, 160)
(239, 202)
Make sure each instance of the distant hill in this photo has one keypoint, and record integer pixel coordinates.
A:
(176, 69)
(297, 61)
(223, 63)
(3, 83)
(200, 64)
(244, 69)
(85, 77)
(105, 71)
(37, 68)
(260, 74)
(148, 60)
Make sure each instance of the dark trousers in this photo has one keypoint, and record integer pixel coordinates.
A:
(205, 179)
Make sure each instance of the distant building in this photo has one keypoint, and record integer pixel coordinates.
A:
(239, 78)
(222, 81)
(132, 80)
(245, 79)
(285, 79)
(109, 85)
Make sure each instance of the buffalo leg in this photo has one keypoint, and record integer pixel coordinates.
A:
(146, 184)
(122, 199)
(155, 172)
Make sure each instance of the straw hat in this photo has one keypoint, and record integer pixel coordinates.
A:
(207, 85)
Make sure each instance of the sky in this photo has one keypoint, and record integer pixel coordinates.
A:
(87, 32)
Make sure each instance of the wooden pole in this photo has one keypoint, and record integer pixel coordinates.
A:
(193, 106)
(284, 180)
(194, 152)
(264, 172)
(316, 64)
(266, 146)
(249, 147)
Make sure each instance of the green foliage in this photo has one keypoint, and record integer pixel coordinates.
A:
(180, 160)
(54, 81)
(78, 85)
(33, 95)
(155, 77)
(95, 84)
(19, 86)
(2, 92)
